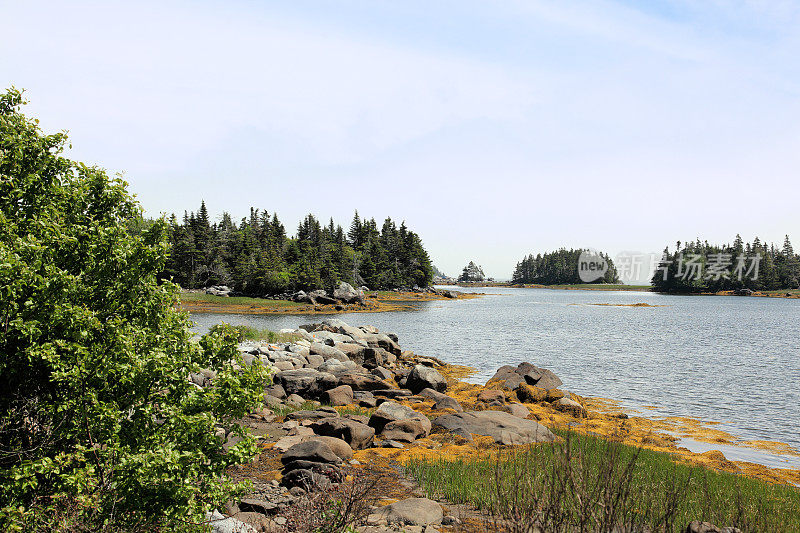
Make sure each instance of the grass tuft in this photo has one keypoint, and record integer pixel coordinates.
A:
(586, 483)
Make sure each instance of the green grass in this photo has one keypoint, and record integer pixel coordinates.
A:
(199, 297)
(591, 484)
(245, 332)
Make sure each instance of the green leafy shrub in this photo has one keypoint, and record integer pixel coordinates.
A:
(100, 428)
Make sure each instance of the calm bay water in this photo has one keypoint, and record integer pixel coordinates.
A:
(733, 360)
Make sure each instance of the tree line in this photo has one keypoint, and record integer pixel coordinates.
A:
(256, 256)
(558, 268)
(701, 267)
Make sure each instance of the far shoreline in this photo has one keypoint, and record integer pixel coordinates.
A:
(619, 287)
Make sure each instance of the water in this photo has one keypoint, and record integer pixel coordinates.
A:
(731, 359)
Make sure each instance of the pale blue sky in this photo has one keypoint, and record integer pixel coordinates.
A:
(493, 128)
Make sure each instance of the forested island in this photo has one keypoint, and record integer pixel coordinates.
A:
(700, 267)
(558, 268)
(256, 256)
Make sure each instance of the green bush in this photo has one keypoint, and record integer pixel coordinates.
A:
(100, 428)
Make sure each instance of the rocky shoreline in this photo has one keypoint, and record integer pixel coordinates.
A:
(344, 299)
(348, 403)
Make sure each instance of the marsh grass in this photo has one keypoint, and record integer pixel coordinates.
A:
(586, 483)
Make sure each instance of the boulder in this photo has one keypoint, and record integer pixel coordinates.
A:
(531, 393)
(355, 333)
(412, 511)
(330, 338)
(219, 290)
(295, 400)
(341, 395)
(307, 480)
(513, 377)
(275, 391)
(337, 446)
(517, 409)
(375, 357)
(381, 373)
(423, 377)
(382, 341)
(328, 352)
(334, 366)
(503, 427)
(492, 396)
(359, 436)
(354, 351)
(347, 294)
(306, 382)
(311, 450)
(334, 323)
(222, 524)
(361, 381)
(407, 430)
(570, 406)
(442, 401)
(332, 472)
(314, 360)
(316, 414)
(390, 411)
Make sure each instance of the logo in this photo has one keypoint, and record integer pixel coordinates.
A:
(591, 266)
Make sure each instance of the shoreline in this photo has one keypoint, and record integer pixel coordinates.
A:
(790, 294)
(375, 302)
(387, 412)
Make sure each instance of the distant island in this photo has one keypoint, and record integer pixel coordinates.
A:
(699, 267)
(256, 256)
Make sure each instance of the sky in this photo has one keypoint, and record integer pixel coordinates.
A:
(494, 129)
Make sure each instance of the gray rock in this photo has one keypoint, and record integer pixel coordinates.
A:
(503, 427)
(382, 341)
(570, 406)
(314, 361)
(306, 382)
(413, 511)
(359, 436)
(390, 411)
(219, 290)
(328, 352)
(346, 293)
(335, 323)
(423, 377)
(275, 391)
(355, 333)
(305, 479)
(517, 409)
(329, 338)
(362, 381)
(316, 414)
(283, 365)
(407, 430)
(442, 401)
(337, 446)
(311, 450)
(295, 400)
(222, 524)
(381, 373)
(341, 395)
(352, 350)
(526, 373)
(334, 366)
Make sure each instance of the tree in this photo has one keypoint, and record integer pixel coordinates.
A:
(97, 415)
